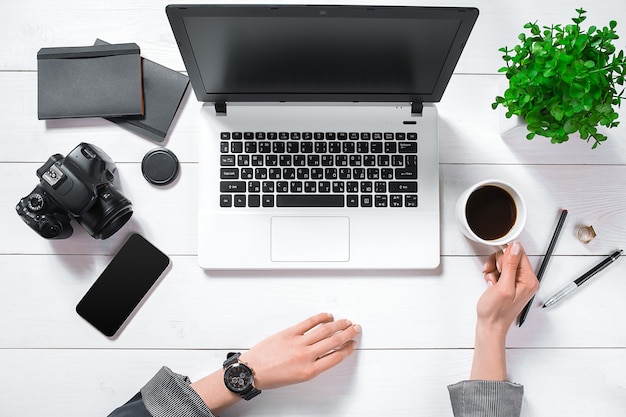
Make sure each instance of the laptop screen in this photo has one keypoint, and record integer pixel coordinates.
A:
(320, 53)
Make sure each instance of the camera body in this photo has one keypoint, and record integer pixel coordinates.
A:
(80, 187)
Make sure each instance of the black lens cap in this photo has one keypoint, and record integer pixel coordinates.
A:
(160, 166)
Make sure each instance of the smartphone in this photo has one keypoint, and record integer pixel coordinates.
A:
(122, 285)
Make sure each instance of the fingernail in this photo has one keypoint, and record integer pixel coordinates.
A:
(516, 248)
(490, 283)
(485, 266)
(357, 328)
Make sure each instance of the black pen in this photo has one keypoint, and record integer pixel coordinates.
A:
(582, 279)
(544, 264)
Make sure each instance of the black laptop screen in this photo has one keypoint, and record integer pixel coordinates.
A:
(300, 53)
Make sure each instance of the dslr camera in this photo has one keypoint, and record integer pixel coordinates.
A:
(79, 187)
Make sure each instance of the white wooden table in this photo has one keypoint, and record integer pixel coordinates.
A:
(418, 326)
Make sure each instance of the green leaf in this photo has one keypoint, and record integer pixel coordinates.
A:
(570, 126)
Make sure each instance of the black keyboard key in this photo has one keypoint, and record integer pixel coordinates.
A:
(229, 173)
(254, 200)
(407, 147)
(265, 147)
(391, 147)
(254, 187)
(380, 201)
(226, 200)
(295, 187)
(402, 187)
(317, 173)
(225, 135)
(268, 186)
(257, 160)
(268, 201)
(407, 173)
(239, 200)
(352, 200)
(236, 147)
(232, 186)
(247, 173)
(243, 160)
(250, 147)
(282, 186)
(227, 160)
(366, 200)
(303, 173)
(274, 174)
(410, 200)
(309, 200)
(278, 147)
(260, 173)
(395, 200)
(271, 160)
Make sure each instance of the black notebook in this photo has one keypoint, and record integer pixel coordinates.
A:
(163, 90)
(90, 81)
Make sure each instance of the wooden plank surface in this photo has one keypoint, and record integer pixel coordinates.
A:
(417, 325)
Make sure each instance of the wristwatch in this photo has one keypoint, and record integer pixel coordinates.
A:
(238, 377)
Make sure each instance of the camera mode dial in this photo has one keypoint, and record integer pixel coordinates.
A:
(35, 202)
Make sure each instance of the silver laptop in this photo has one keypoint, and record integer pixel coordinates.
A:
(319, 147)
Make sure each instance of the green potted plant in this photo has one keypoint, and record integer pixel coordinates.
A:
(564, 79)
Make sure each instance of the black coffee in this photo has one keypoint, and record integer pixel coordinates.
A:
(490, 212)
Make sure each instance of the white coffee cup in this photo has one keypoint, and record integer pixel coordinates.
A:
(491, 212)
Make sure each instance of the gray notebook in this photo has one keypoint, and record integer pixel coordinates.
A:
(163, 90)
(91, 81)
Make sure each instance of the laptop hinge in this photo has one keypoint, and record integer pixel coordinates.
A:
(416, 108)
(220, 108)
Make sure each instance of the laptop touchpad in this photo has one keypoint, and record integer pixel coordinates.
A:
(310, 239)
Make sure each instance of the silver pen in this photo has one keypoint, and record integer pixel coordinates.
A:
(582, 279)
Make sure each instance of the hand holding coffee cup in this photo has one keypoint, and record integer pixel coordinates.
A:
(491, 212)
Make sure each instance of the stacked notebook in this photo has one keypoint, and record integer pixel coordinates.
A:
(111, 81)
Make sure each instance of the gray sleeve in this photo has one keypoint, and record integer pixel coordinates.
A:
(168, 394)
(486, 399)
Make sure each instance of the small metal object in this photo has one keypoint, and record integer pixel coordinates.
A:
(586, 234)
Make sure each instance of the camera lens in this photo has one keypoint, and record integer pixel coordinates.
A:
(110, 212)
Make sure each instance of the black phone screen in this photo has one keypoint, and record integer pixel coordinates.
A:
(122, 285)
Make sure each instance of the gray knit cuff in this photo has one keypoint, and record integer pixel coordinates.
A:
(486, 399)
(168, 394)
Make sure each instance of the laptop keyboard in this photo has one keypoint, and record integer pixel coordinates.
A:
(318, 169)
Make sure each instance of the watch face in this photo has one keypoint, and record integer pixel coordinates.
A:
(238, 377)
